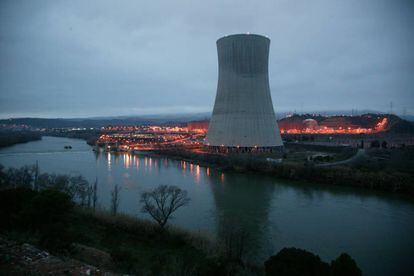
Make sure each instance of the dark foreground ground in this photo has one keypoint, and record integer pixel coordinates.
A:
(26, 259)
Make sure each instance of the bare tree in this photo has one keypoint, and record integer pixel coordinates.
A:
(89, 193)
(92, 196)
(36, 176)
(115, 199)
(161, 202)
(95, 194)
(79, 188)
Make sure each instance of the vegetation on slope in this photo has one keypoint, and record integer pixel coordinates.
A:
(10, 138)
(44, 213)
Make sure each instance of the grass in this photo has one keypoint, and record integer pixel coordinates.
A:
(138, 246)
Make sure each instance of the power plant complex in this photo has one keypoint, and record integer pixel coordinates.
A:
(243, 118)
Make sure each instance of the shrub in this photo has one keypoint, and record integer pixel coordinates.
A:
(48, 215)
(344, 265)
(299, 262)
(12, 202)
(296, 262)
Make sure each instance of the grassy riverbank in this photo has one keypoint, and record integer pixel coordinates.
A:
(392, 174)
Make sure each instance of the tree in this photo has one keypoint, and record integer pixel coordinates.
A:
(48, 214)
(161, 202)
(299, 262)
(296, 262)
(95, 194)
(89, 193)
(22, 177)
(115, 199)
(344, 265)
(78, 188)
(36, 176)
(92, 196)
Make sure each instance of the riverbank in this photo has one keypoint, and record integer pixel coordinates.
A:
(330, 166)
(367, 176)
(11, 138)
(388, 170)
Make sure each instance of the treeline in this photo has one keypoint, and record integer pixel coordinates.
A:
(55, 212)
(17, 137)
(28, 177)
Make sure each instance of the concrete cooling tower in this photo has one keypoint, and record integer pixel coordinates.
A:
(243, 117)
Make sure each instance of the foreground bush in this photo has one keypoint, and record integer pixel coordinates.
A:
(344, 265)
(45, 214)
(298, 262)
(12, 202)
(48, 214)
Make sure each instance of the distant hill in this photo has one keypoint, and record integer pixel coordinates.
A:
(104, 121)
(301, 121)
(395, 123)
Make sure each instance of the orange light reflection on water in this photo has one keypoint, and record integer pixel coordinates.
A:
(197, 173)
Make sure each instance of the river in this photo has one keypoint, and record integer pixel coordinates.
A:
(376, 229)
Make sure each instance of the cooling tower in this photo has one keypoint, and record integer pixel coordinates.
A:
(243, 115)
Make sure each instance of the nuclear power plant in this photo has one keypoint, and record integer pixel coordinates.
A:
(243, 118)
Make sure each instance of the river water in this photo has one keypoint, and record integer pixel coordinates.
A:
(376, 229)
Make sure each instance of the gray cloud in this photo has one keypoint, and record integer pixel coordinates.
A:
(90, 58)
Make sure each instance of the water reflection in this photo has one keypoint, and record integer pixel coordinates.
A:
(108, 157)
(242, 203)
(127, 160)
(197, 174)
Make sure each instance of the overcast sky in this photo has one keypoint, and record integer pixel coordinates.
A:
(99, 58)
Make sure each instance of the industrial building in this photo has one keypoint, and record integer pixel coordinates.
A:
(243, 118)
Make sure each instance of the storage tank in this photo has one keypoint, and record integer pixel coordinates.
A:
(243, 117)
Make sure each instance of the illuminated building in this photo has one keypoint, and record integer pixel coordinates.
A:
(198, 126)
(243, 117)
(364, 124)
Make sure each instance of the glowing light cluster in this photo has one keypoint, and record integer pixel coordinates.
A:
(380, 126)
(147, 138)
